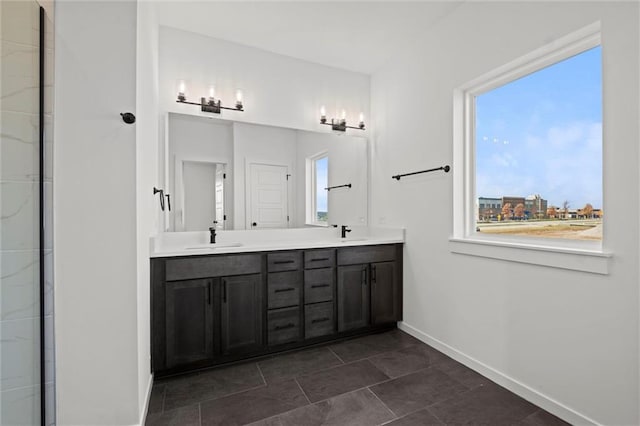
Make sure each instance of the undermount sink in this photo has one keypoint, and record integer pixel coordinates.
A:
(214, 246)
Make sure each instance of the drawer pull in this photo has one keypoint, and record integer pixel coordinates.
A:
(284, 327)
(320, 285)
(320, 320)
(282, 262)
(282, 290)
(323, 259)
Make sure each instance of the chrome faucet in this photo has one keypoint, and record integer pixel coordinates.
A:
(344, 231)
(212, 235)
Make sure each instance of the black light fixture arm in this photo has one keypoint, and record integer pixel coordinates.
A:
(444, 168)
(342, 126)
(348, 185)
(211, 106)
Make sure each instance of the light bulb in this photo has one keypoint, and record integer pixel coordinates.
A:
(182, 87)
(343, 115)
(362, 117)
(212, 92)
(323, 112)
(239, 99)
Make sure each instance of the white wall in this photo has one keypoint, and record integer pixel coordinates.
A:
(569, 338)
(95, 225)
(147, 163)
(278, 90)
(191, 138)
(266, 145)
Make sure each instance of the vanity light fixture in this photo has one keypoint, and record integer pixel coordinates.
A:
(341, 124)
(210, 104)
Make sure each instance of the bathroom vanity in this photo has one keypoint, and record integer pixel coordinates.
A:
(256, 295)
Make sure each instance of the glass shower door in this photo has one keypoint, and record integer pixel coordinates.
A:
(26, 294)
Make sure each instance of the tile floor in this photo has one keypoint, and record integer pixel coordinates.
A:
(388, 378)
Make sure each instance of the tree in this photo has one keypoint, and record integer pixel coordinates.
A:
(519, 211)
(552, 212)
(587, 210)
(506, 211)
(565, 208)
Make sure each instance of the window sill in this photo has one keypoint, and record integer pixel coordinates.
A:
(590, 260)
(318, 224)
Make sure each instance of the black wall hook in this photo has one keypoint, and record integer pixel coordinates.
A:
(128, 117)
(155, 191)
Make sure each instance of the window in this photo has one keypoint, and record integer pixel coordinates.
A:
(528, 150)
(317, 195)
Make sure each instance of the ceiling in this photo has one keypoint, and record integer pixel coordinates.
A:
(356, 35)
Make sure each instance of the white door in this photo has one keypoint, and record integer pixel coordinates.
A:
(220, 216)
(269, 197)
(199, 195)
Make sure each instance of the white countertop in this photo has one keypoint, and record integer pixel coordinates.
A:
(197, 243)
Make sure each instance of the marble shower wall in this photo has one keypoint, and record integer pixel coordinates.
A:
(19, 215)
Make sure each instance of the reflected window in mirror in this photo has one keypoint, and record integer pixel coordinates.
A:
(317, 194)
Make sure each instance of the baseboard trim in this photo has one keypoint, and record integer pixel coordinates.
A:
(565, 413)
(143, 416)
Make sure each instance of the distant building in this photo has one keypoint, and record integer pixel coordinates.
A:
(535, 206)
(489, 208)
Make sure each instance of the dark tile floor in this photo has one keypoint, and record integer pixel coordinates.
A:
(388, 378)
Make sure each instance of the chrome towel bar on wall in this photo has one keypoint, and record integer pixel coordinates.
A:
(445, 168)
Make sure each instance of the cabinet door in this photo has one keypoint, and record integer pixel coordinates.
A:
(353, 297)
(241, 314)
(384, 293)
(189, 321)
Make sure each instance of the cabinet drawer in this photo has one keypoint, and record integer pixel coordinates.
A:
(319, 258)
(318, 320)
(283, 289)
(283, 326)
(366, 254)
(319, 285)
(212, 266)
(284, 261)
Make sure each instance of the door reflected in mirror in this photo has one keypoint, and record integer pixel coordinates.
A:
(201, 202)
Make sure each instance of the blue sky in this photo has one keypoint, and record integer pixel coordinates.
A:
(542, 134)
(322, 181)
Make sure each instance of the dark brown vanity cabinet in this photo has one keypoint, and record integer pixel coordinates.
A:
(384, 293)
(369, 290)
(189, 322)
(353, 297)
(205, 309)
(319, 293)
(241, 314)
(215, 309)
(284, 289)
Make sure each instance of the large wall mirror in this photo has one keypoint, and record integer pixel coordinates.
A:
(234, 175)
